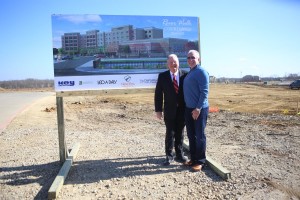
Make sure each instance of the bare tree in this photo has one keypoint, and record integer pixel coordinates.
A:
(27, 83)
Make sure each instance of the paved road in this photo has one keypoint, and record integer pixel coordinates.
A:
(12, 103)
(68, 67)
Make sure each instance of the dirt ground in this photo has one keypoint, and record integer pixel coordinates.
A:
(256, 99)
(255, 135)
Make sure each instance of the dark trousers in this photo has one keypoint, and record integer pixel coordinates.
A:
(174, 134)
(196, 134)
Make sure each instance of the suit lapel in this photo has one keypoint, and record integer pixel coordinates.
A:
(168, 77)
(180, 75)
(170, 81)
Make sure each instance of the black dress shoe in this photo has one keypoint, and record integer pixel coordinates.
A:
(168, 161)
(181, 159)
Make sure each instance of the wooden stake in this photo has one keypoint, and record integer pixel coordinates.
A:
(61, 129)
(216, 167)
(62, 174)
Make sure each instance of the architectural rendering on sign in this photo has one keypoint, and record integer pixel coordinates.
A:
(111, 45)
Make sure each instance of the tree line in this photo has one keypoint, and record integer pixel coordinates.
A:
(27, 83)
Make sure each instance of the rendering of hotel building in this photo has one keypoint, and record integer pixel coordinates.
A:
(126, 41)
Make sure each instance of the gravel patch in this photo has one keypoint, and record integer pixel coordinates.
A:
(122, 150)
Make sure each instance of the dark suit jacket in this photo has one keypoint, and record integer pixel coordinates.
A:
(165, 99)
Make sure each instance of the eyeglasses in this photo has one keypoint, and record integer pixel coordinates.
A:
(190, 57)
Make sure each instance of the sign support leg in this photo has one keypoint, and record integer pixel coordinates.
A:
(61, 130)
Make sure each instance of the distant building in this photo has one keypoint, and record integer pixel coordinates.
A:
(127, 41)
(148, 33)
(250, 78)
(92, 39)
(116, 36)
(71, 42)
(157, 47)
(212, 79)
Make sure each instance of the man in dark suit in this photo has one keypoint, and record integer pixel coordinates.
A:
(170, 106)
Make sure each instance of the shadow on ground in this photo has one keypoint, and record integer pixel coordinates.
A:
(90, 171)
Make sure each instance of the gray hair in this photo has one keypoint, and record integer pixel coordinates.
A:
(172, 56)
(196, 53)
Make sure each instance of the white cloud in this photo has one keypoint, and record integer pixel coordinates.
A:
(243, 59)
(79, 19)
(254, 67)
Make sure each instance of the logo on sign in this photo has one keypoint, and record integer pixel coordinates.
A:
(148, 81)
(66, 83)
(85, 82)
(127, 78)
(101, 82)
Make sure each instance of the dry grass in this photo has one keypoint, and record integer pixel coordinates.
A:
(244, 98)
(231, 97)
(255, 98)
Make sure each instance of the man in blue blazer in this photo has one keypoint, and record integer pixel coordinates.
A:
(196, 90)
(170, 106)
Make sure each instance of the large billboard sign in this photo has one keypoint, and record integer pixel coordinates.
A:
(96, 52)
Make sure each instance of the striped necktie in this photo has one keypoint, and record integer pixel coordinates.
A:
(175, 83)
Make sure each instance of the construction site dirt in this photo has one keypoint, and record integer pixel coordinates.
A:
(254, 133)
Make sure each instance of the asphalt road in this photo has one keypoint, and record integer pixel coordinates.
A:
(12, 103)
(68, 67)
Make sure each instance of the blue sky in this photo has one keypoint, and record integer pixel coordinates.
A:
(257, 37)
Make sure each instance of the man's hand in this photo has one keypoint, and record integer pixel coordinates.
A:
(196, 113)
(159, 115)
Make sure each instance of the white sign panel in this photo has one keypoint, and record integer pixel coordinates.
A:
(96, 52)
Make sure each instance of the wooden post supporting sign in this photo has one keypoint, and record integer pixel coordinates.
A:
(61, 130)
